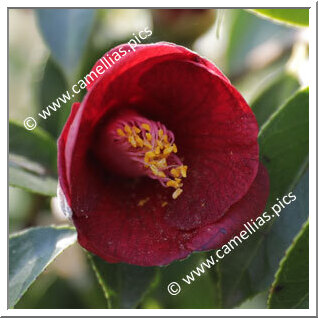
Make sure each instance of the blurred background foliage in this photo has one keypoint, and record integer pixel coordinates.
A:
(265, 60)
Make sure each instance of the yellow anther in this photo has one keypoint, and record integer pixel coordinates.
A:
(136, 129)
(176, 193)
(161, 174)
(178, 180)
(145, 126)
(148, 136)
(161, 164)
(157, 150)
(172, 183)
(147, 144)
(150, 154)
(163, 204)
(132, 141)
(156, 172)
(120, 132)
(143, 201)
(156, 153)
(160, 144)
(139, 141)
(127, 129)
(183, 170)
(175, 172)
(168, 150)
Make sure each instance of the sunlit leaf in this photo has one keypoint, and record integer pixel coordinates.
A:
(295, 17)
(274, 95)
(30, 252)
(291, 286)
(66, 32)
(250, 268)
(123, 285)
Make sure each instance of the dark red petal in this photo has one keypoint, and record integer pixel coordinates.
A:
(215, 131)
(61, 152)
(133, 236)
(142, 53)
(232, 223)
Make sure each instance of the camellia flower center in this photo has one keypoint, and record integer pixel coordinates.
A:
(146, 147)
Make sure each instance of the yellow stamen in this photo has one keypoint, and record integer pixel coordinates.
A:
(163, 204)
(148, 136)
(139, 141)
(149, 155)
(183, 170)
(161, 164)
(159, 143)
(143, 201)
(127, 129)
(172, 183)
(156, 172)
(157, 150)
(176, 193)
(168, 150)
(175, 172)
(132, 141)
(136, 129)
(120, 132)
(145, 126)
(178, 180)
(156, 153)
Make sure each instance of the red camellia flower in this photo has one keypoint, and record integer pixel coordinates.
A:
(161, 157)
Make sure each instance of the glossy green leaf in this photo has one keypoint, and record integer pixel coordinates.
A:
(52, 86)
(66, 32)
(31, 180)
(36, 145)
(295, 17)
(30, 252)
(248, 32)
(274, 95)
(250, 268)
(123, 285)
(284, 144)
(203, 293)
(291, 286)
(279, 236)
(32, 160)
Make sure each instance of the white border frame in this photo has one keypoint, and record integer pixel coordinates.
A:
(312, 162)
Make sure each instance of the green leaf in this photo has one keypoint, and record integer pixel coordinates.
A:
(30, 252)
(280, 236)
(291, 286)
(295, 17)
(203, 293)
(284, 144)
(30, 180)
(52, 86)
(32, 160)
(273, 96)
(66, 32)
(250, 269)
(123, 285)
(246, 33)
(35, 145)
